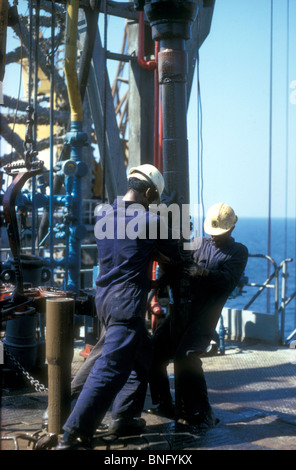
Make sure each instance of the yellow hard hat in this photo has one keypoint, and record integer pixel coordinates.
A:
(148, 173)
(220, 219)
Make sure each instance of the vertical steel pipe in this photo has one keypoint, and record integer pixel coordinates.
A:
(151, 65)
(51, 143)
(3, 35)
(172, 69)
(171, 22)
(75, 168)
(59, 354)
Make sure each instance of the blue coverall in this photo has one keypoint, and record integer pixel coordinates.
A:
(185, 335)
(120, 374)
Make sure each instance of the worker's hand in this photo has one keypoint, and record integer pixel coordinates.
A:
(194, 270)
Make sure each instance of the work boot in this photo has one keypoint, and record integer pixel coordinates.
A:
(207, 419)
(74, 442)
(165, 411)
(204, 420)
(126, 426)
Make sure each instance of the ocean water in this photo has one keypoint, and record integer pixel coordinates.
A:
(253, 232)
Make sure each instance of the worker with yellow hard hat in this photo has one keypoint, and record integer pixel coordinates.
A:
(217, 266)
(220, 219)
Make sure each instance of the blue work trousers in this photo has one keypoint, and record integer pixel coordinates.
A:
(191, 394)
(119, 375)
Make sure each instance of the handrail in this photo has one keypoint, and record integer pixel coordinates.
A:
(266, 283)
(279, 309)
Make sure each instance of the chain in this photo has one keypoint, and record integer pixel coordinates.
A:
(36, 384)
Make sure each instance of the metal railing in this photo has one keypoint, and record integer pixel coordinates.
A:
(280, 299)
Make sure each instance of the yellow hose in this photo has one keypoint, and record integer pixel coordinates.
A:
(70, 61)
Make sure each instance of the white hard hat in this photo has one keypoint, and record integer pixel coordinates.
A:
(220, 219)
(148, 173)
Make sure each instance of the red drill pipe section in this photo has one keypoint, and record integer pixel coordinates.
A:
(147, 64)
(152, 65)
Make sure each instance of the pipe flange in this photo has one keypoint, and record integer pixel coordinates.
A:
(171, 18)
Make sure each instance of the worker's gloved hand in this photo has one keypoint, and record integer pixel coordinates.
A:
(194, 270)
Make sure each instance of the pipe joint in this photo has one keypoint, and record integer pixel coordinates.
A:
(171, 18)
(76, 138)
(172, 66)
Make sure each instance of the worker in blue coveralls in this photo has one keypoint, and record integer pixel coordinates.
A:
(219, 263)
(120, 373)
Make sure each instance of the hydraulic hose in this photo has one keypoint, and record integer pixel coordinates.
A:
(70, 61)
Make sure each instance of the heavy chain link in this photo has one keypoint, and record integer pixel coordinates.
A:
(36, 384)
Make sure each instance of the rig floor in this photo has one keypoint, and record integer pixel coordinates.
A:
(252, 389)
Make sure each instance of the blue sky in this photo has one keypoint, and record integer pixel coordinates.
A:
(235, 96)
